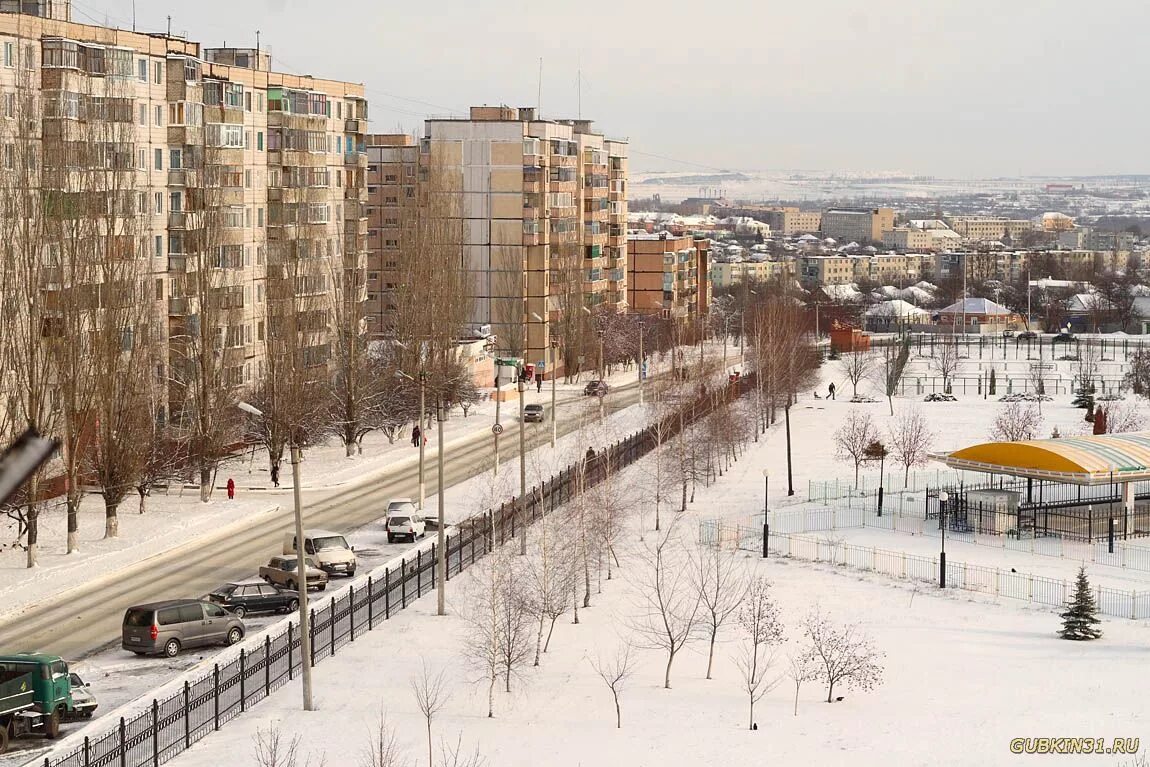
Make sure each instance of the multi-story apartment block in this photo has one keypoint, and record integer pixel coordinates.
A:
(857, 224)
(908, 238)
(819, 270)
(891, 268)
(544, 210)
(392, 179)
(789, 221)
(240, 174)
(727, 275)
(989, 228)
(669, 276)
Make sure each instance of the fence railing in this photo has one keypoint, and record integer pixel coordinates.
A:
(897, 564)
(171, 725)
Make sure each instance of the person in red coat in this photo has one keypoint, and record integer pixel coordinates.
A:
(231, 489)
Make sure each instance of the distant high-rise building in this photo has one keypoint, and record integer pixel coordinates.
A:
(857, 224)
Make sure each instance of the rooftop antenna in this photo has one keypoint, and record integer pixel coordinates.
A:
(539, 96)
(169, 26)
(257, 44)
(579, 89)
(133, 15)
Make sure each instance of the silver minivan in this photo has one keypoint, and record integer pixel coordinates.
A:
(165, 628)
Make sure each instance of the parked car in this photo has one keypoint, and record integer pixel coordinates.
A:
(1026, 335)
(533, 413)
(406, 506)
(165, 628)
(255, 596)
(282, 571)
(1008, 333)
(330, 550)
(595, 387)
(1063, 338)
(83, 700)
(404, 524)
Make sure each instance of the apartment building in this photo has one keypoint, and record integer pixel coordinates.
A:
(727, 275)
(892, 268)
(544, 209)
(989, 228)
(858, 224)
(789, 221)
(392, 181)
(240, 173)
(908, 238)
(818, 270)
(669, 276)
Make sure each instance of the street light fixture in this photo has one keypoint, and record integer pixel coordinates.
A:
(766, 510)
(554, 367)
(943, 497)
(301, 561)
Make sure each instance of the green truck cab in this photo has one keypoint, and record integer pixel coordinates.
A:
(35, 695)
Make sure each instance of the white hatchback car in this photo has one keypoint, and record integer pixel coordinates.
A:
(404, 521)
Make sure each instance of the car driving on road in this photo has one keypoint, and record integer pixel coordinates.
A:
(254, 596)
(405, 524)
(283, 571)
(595, 386)
(165, 628)
(533, 413)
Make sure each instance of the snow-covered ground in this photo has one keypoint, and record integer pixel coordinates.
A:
(963, 675)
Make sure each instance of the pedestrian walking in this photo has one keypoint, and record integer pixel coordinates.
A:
(276, 476)
(539, 383)
(231, 489)
(415, 435)
(831, 390)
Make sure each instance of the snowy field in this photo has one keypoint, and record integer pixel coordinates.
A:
(963, 675)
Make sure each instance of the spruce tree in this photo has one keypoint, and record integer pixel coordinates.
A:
(1084, 397)
(1080, 618)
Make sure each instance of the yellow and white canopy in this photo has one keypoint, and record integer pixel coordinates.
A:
(1089, 460)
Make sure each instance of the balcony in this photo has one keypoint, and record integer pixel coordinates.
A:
(179, 220)
(177, 307)
(355, 159)
(181, 177)
(353, 126)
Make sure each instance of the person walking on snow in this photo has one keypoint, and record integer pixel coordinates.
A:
(231, 489)
(275, 476)
(415, 434)
(539, 383)
(831, 390)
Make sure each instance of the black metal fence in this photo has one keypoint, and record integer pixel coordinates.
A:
(169, 726)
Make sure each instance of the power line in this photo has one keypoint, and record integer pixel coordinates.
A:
(679, 161)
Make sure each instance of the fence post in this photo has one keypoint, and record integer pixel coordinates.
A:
(87, 754)
(291, 671)
(370, 605)
(403, 584)
(215, 696)
(312, 632)
(332, 632)
(243, 675)
(267, 665)
(447, 553)
(187, 718)
(418, 573)
(351, 611)
(124, 743)
(155, 733)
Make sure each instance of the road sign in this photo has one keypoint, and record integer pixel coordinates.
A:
(497, 429)
(601, 392)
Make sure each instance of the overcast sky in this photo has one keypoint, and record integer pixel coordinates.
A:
(957, 88)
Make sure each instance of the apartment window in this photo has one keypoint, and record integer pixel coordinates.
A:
(248, 101)
(260, 101)
(159, 203)
(9, 54)
(247, 179)
(391, 243)
(158, 72)
(142, 74)
(159, 158)
(10, 105)
(233, 217)
(160, 114)
(260, 140)
(142, 164)
(247, 140)
(247, 217)
(159, 246)
(259, 217)
(176, 202)
(143, 114)
(176, 159)
(223, 135)
(339, 110)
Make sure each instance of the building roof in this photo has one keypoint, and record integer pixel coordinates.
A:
(896, 308)
(975, 306)
(1088, 460)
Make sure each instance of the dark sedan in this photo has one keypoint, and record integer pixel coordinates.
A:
(243, 597)
(595, 387)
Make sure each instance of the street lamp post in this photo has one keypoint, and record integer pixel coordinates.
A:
(943, 497)
(642, 360)
(602, 376)
(441, 563)
(301, 561)
(554, 375)
(523, 472)
(422, 435)
(766, 510)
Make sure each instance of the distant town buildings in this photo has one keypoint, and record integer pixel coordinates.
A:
(668, 276)
(857, 224)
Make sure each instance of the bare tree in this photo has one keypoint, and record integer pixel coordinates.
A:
(499, 624)
(1016, 422)
(669, 608)
(384, 749)
(548, 583)
(857, 366)
(271, 749)
(431, 695)
(910, 440)
(759, 619)
(1122, 417)
(722, 583)
(615, 672)
(456, 756)
(800, 668)
(853, 438)
(945, 362)
(891, 368)
(843, 655)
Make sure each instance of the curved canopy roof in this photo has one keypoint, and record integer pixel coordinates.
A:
(1089, 460)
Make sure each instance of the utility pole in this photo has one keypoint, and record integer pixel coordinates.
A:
(522, 472)
(441, 543)
(642, 359)
(301, 574)
(602, 376)
(496, 431)
(554, 378)
(422, 434)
